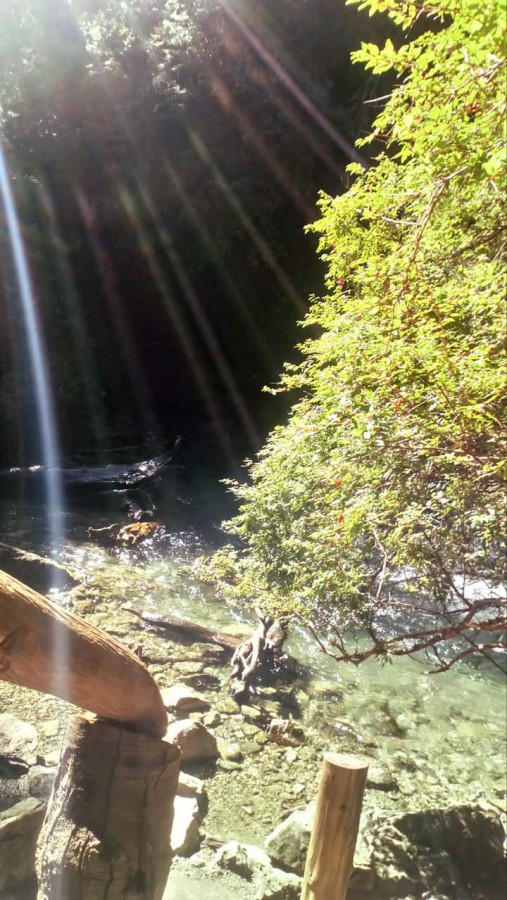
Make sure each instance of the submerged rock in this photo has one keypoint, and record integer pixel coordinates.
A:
(285, 732)
(37, 572)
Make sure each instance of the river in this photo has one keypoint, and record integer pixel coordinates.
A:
(433, 740)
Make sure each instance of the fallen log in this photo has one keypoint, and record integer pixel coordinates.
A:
(184, 630)
(39, 572)
(85, 480)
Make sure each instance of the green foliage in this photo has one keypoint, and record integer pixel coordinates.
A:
(390, 465)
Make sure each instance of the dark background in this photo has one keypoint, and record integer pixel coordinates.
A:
(165, 164)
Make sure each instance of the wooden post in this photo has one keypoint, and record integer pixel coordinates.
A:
(334, 834)
(107, 829)
(46, 648)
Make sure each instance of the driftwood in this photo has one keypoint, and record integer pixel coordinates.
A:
(257, 656)
(184, 630)
(46, 648)
(40, 573)
(85, 480)
(107, 830)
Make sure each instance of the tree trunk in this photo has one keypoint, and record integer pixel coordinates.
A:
(44, 647)
(106, 835)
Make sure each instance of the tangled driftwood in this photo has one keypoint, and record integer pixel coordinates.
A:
(260, 654)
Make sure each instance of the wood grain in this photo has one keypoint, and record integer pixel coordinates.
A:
(46, 648)
(333, 840)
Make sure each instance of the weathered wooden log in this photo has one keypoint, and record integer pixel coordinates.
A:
(46, 648)
(330, 858)
(261, 653)
(183, 629)
(106, 835)
(38, 572)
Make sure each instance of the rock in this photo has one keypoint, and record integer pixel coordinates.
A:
(228, 766)
(40, 781)
(203, 681)
(183, 699)
(279, 885)
(242, 859)
(253, 864)
(193, 739)
(227, 706)
(19, 829)
(190, 786)
(288, 844)
(249, 748)
(185, 828)
(18, 740)
(439, 850)
(285, 732)
(212, 719)
(188, 668)
(231, 751)
(380, 778)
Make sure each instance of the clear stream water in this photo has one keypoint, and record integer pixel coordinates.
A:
(433, 740)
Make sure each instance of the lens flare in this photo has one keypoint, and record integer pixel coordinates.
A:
(38, 363)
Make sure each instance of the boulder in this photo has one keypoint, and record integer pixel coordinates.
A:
(18, 739)
(19, 829)
(287, 844)
(439, 850)
(193, 739)
(185, 827)
(181, 698)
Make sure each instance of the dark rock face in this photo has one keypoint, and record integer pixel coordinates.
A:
(456, 851)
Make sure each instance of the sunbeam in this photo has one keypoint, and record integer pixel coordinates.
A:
(38, 362)
(245, 220)
(299, 95)
(69, 290)
(178, 322)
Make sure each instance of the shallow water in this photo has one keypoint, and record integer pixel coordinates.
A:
(433, 740)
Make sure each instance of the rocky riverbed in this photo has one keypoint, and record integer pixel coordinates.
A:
(432, 741)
